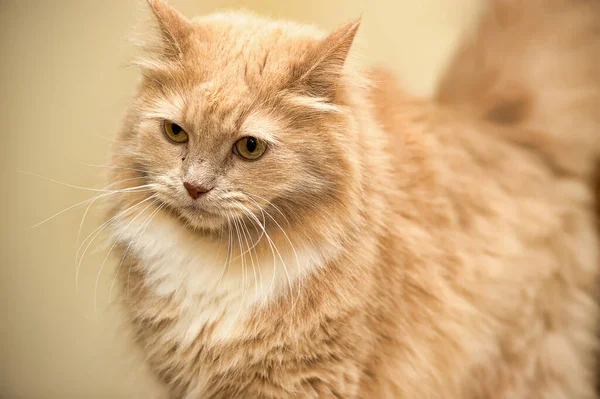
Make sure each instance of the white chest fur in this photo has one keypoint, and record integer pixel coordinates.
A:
(211, 284)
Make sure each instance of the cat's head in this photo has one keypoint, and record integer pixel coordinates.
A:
(237, 114)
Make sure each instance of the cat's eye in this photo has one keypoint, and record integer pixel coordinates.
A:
(175, 133)
(250, 148)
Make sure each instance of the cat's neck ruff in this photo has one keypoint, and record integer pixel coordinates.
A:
(214, 280)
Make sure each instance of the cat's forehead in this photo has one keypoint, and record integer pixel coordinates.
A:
(217, 109)
(244, 45)
(238, 59)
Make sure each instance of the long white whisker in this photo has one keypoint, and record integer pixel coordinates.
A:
(263, 232)
(237, 231)
(218, 248)
(64, 184)
(243, 259)
(100, 195)
(283, 231)
(254, 245)
(294, 300)
(162, 206)
(111, 248)
(87, 209)
(228, 254)
(69, 208)
(105, 223)
(120, 167)
(295, 255)
(139, 231)
(244, 230)
(252, 218)
(270, 204)
(97, 231)
(273, 247)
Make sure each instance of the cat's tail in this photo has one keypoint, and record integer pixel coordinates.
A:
(535, 65)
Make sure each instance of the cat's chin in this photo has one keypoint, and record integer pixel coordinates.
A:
(201, 219)
(195, 216)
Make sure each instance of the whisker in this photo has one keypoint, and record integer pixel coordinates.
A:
(110, 250)
(139, 231)
(97, 231)
(295, 255)
(244, 285)
(230, 196)
(87, 209)
(63, 183)
(240, 244)
(240, 207)
(92, 200)
(218, 248)
(228, 254)
(119, 167)
(293, 249)
(97, 197)
(273, 250)
(85, 214)
(271, 204)
(244, 230)
(255, 244)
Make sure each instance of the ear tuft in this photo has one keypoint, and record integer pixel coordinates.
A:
(320, 72)
(175, 29)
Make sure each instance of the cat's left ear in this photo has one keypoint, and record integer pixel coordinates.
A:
(175, 29)
(320, 71)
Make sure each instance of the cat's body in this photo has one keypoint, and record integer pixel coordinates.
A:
(435, 254)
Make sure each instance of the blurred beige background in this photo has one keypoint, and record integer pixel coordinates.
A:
(63, 91)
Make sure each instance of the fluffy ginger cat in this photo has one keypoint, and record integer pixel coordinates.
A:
(296, 227)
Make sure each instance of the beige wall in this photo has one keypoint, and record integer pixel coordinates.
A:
(63, 91)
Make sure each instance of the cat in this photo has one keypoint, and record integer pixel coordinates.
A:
(299, 226)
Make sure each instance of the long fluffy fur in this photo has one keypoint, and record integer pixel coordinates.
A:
(417, 249)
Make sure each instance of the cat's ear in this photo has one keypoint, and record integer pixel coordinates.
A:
(320, 71)
(175, 30)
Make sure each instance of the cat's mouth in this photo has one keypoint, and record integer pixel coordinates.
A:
(199, 215)
(201, 210)
(190, 208)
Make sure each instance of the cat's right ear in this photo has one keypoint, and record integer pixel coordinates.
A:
(321, 69)
(174, 29)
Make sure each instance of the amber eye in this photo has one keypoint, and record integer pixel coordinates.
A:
(175, 133)
(250, 148)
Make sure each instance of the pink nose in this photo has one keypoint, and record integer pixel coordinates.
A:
(195, 190)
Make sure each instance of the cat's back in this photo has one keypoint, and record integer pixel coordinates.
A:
(503, 239)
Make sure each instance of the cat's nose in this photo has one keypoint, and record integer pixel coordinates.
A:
(196, 190)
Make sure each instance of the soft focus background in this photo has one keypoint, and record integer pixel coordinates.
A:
(63, 90)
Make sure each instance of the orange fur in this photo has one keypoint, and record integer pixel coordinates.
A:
(384, 246)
